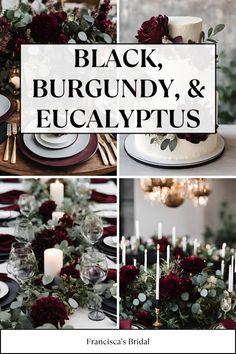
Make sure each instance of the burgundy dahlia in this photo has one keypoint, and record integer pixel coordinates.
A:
(129, 272)
(144, 317)
(178, 252)
(48, 310)
(17, 43)
(70, 271)
(103, 11)
(45, 28)
(46, 210)
(193, 138)
(60, 16)
(192, 264)
(63, 39)
(163, 243)
(170, 287)
(66, 221)
(111, 275)
(153, 30)
(186, 285)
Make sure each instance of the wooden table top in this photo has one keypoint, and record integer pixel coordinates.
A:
(26, 167)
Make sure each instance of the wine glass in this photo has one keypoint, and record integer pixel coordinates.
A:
(82, 190)
(226, 304)
(27, 204)
(24, 231)
(92, 228)
(93, 270)
(22, 263)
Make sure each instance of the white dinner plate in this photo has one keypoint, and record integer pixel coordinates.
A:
(8, 214)
(5, 105)
(70, 139)
(52, 138)
(4, 289)
(78, 146)
(110, 241)
(133, 152)
(109, 214)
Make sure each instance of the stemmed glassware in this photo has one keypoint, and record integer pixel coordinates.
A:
(22, 263)
(93, 270)
(24, 231)
(92, 229)
(226, 305)
(82, 190)
(27, 204)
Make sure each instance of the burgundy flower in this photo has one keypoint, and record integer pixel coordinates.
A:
(105, 25)
(163, 243)
(144, 317)
(45, 28)
(186, 285)
(129, 272)
(48, 310)
(60, 16)
(192, 264)
(5, 36)
(70, 271)
(153, 30)
(170, 287)
(46, 210)
(193, 138)
(66, 221)
(178, 252)
(63, 39)
(17, 43)
(103, 11)
(47, 238)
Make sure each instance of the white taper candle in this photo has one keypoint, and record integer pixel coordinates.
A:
(135, 262)
(184, 243)
(145, 260)
(137, 232)
(223, 250)
(168, 255)
(195, 244)
(173, 236)
(123, 246)
(159, 231)
(222, 268)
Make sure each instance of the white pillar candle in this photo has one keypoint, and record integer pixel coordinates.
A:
(137, 233)
(195, 244)
(235, 262)
(157, 273)
(53, 261)
(57, 215)
(159, 231)
(145, 261)
(230, 285)
(232, 272)
(173, 236)
(223, 250)
(135, 262)
(15, 80)
(123, 245)
(57, 192)
(184, 243)
(222, 268)
(168, 255)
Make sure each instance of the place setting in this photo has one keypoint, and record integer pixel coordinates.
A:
(49, 262)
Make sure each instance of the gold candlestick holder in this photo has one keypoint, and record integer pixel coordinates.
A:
(157, 324)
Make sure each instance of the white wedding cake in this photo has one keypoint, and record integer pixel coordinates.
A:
(189, 146)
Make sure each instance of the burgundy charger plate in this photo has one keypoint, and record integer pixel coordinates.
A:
(82, 156)
(10, 111)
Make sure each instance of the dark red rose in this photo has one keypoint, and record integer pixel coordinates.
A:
(48, 310)
(60, 16)
(66, 221)
(105, 25)
(46, 210)
(63, 39)
(178, 252)
(45, 29)
(47, 238)
(192, 264)
(153, 30)
(70, 271)
(17, 43)
(123, 285)
(103, 11)
(144, 317)
(193, 138)
(163, 243)
(129, 272)
(112, 275)
(170, 287)
(186, 285)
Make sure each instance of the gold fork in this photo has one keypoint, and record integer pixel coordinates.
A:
(109, 155)
(14, 132)
(110, 141)
(6, 153)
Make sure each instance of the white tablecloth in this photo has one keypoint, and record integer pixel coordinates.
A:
(223, 166)
(80, 318)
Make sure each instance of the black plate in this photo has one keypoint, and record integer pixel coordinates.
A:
(10, 297)
(111, 251)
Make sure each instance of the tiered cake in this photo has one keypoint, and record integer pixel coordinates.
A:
(189, 146)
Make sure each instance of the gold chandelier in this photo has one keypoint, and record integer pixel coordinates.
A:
(172, 192)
